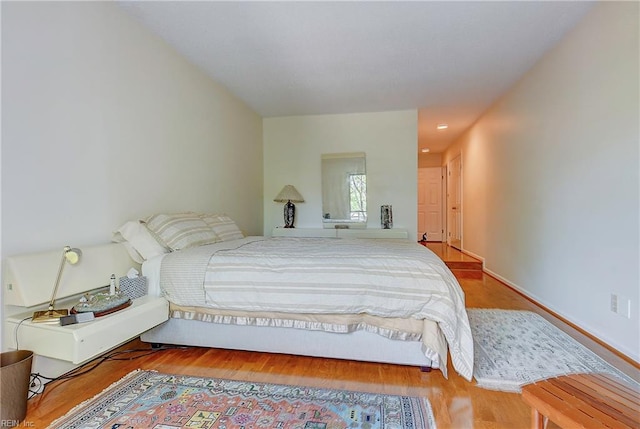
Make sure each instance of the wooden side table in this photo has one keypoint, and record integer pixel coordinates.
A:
(583, 401)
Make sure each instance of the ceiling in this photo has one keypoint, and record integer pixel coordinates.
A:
(450, 60)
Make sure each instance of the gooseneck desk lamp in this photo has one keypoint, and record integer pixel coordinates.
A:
(72, 256)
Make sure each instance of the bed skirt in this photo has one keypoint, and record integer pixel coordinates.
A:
(357, 345)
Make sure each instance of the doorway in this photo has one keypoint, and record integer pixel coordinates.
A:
(430, 210)
(454, 203)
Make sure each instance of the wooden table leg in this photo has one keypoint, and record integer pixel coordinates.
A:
(538, 421)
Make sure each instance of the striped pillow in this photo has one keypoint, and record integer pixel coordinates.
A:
(223, 226)
(181, 230)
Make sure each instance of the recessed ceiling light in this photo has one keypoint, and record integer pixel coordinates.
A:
(442, 126)
(425, 150)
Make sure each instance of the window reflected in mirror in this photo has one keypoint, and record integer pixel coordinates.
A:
(344, 189)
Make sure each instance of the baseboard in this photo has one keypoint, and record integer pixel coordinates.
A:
(473, 255)
(538, 302)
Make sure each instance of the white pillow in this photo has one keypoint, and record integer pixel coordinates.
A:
(133, 253)
(223, 226)
(141, 240)
(181, 230)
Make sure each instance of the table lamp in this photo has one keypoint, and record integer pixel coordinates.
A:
(290, 195)
(72, 256)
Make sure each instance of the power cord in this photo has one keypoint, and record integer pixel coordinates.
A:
(39, 382)
(15, 331)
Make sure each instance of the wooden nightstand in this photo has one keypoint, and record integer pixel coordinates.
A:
(81, 342)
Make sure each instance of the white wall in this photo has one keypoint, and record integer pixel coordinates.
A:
(551, 178)
(292, 150)
(103, 122)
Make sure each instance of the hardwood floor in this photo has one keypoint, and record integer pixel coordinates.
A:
(461, 264)
(456, 402)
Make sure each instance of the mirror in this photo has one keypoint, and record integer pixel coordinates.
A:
(344, 189)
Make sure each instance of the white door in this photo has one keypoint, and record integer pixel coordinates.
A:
(454, 203)
(430, 203)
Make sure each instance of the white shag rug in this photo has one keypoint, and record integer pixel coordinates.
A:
(513, 348)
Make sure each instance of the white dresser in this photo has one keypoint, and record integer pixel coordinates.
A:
(340, 233)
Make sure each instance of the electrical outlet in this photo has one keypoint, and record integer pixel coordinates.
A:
(614, 303)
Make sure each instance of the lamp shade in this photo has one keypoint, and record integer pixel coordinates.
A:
(289, 193)
(72, 255)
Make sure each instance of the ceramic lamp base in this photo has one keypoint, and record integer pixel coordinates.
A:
(289, 214)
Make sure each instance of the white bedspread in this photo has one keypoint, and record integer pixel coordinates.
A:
(386, 278)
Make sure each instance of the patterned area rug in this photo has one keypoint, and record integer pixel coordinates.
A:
(148, 399)
(513, 348)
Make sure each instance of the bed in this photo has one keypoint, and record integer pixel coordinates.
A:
(379, 300)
